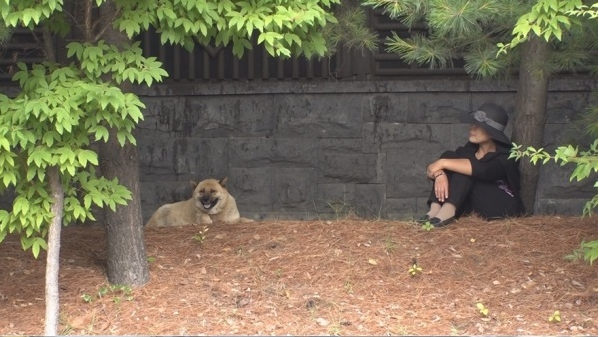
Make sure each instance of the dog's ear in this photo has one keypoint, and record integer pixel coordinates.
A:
(193, 184)
(223, 182)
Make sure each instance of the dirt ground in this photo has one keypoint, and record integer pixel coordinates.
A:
(336, 277)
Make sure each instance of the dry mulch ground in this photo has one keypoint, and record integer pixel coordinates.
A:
(339, 277)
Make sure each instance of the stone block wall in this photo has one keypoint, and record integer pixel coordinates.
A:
(304, 150)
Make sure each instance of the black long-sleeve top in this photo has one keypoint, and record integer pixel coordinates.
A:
(492, 167)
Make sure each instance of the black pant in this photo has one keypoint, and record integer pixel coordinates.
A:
(485, 198)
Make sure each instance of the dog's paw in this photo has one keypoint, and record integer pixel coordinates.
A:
(205, 219)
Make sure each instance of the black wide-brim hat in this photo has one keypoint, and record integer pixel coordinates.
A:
(492, 118)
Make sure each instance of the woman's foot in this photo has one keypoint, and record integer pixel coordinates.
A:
(436, 222)
(446, 213)
(423, 219)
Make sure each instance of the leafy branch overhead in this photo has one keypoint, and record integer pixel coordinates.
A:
(586, 163)
(287, 28)
(52, 122)
(550, 19)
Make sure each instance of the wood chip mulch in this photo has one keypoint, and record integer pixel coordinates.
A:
(327, 277)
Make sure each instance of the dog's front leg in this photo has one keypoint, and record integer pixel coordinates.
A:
(205, 219)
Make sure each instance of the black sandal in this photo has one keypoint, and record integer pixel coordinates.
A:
(438, 223)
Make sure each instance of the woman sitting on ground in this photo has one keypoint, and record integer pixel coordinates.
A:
(477, 177)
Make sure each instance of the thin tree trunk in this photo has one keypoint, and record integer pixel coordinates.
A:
(52, 295)
(53, 255)
(531, 106)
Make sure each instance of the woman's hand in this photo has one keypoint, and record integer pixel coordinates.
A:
(433, 169)
(442, 187)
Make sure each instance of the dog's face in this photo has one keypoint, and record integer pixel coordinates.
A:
(211, 195)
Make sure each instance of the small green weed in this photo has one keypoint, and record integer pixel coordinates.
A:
(116, 290)
(335, 330)
(87, 298)
(587, 252)
(342, 209)
(201, 236)
(555, 317)
(427, 226)
(482, 309)
(414, 269)
(389, 245)
(348, 286)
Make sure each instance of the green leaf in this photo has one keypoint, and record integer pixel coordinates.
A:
(85, 156)
(37, 244)
(4, 144)
(9, 178)
(20, 205)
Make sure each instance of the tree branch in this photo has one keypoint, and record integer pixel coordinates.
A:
(87, 21)
(107, 23)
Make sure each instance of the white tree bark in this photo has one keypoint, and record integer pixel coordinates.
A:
(53, 256)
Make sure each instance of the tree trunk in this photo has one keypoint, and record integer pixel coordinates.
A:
(127, 263)
(531, 106)
(53, 255)
(52, 295)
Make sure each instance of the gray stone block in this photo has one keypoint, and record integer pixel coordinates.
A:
(437, 108)
(385, 108)
(409, 149)
(252, 188)
(422, 206)
(201, 158)
(159, 115)
(182, 158)
(278, 152)
(560, 206)
(318, 116)
(405, 136)
(237, 115)
(554, 183)
(405, 175)
(565, 107)
(294, 189)
(347, 167)
(402, 209)
(156, 156)
(371, 200)
(556, 135)
(338, 199)
(345, 145)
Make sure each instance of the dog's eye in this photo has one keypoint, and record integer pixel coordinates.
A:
(202, 190)
(212, 191)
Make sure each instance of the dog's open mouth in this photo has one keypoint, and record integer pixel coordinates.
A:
(208, 204)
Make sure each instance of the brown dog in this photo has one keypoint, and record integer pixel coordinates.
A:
(210, 202)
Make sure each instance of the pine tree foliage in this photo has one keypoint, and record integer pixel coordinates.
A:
(351, 30)
(474, 31)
